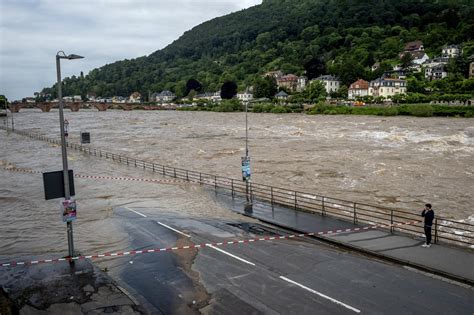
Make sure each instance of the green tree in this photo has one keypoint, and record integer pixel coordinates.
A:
(315, 90)
(264, 87)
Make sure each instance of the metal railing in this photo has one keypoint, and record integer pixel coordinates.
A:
(444, 230)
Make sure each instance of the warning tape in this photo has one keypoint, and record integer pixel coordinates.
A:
(166, 249)
(164, 181)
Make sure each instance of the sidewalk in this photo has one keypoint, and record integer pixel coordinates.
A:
(444, 260)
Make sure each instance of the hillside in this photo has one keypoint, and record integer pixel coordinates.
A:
(341, 37)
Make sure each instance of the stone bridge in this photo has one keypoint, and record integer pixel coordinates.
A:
(74, 107)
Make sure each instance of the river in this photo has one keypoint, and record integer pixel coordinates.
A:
(400, 162)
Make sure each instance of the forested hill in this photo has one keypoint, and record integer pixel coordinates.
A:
(341, 37)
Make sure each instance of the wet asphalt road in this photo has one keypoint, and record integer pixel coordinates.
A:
(298, 276)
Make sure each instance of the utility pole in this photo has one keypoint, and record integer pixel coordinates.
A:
(67, 193)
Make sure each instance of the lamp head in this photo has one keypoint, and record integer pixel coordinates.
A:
(74, 56)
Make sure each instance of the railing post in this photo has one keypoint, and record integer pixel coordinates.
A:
(200, 178)
(436, 231)
(135, 162)
(174, 172)
(251, 191)
(296, 202)
(232, 185)
(271, 196)
(144, 165)
(120, 159)
(153, 165)
(187, 175)
(164, 173)
(323, 207)
(355, 212)
(391, 221)
(215, 184)
(127, 160)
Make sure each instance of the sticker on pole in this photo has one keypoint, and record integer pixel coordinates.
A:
(245, 168)
(68, 210)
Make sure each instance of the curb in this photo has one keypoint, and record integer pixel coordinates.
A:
(384, 257)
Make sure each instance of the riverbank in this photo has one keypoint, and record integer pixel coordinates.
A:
(417, 110)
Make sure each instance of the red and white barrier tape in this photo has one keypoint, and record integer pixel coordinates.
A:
(163, 181)
(165, 249)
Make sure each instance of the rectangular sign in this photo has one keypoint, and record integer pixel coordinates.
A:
(53, 183)
(246, 168)
(68, 210)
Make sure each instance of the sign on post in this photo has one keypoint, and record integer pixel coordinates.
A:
(85, 137)
(68, 210)
(53, 183)
(246, 168)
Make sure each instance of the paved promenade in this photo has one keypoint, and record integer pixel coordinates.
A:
(441, 259)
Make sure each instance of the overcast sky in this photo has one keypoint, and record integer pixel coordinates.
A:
(104, 31)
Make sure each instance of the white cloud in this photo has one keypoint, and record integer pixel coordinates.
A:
(104, 31)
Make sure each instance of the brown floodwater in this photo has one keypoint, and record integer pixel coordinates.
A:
(400, 162)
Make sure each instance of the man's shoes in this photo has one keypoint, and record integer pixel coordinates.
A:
(426, 245)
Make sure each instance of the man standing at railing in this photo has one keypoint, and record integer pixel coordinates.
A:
(428, 214)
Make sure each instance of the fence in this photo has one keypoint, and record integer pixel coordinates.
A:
(445, 230)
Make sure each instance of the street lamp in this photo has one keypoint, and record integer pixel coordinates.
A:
(248, 206)
(67, 193)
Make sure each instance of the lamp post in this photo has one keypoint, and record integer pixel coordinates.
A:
(67, 193)
(248, 205)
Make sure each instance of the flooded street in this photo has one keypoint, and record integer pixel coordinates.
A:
(400, 162)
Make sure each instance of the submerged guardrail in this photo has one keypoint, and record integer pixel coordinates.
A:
(445, 230)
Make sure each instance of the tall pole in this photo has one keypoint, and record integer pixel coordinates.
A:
(246, 152)
(67, 192)
(6, 115)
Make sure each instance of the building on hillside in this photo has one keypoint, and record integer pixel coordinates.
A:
(135, 97)
(419, 57)
(274, 74)
(451, 51)
(289, 82)
(437, 72)
(119, 99)
(282, 95)
(417, 52)
(71, 99)
(471, 70)
(301, 84)
(358, 89)
(330, 82)
(245, 96)
(395, 74)
(91, 96)
(216, 97)
(385, 87)
(375, 66)
(31, 100)
(416, 45)
(164, 96)
(436, 62)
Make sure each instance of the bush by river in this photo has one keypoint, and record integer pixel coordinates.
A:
(418, 110)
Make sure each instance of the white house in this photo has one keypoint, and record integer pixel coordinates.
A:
(165, 96)
(436, 72)
(358, 89)
(386, 87)
(135, 97)
(451, 51)
(419, 57)
(245, 96)
(301, 84)
(330, 82)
